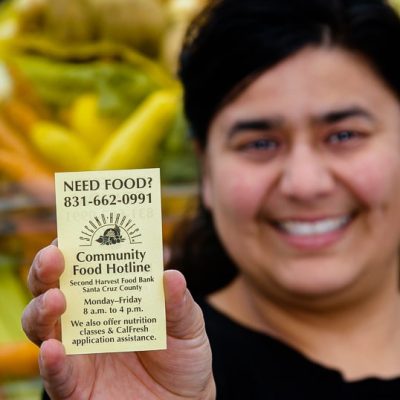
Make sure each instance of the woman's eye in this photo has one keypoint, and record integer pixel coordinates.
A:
(261, 144)
(342, 137)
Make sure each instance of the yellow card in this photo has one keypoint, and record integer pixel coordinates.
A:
(109, 230)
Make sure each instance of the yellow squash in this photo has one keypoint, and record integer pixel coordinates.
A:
(61, 147)
(135, 144)
(86, 120)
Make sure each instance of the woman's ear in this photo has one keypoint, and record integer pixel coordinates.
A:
(205, 185)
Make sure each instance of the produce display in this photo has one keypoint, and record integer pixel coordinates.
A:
(17, 356)
(83, 86)
(72, 76)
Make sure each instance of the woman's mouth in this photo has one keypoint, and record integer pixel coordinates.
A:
(313, 233)
(317, 227)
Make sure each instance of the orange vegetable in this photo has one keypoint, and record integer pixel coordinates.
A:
(19, 163)
(18, 360)
(11, 139)
(24, 92)
(20, 114)
(29, 173)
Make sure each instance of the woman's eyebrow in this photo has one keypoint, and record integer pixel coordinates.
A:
(333, 116)
(262, 124)
(329, 117)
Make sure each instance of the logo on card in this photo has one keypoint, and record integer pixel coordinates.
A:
(111, 236)
(110, 230)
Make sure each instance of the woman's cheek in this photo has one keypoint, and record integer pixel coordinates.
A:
(242, 191)
(375, 180)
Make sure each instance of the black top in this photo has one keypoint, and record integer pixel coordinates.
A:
(249, 365)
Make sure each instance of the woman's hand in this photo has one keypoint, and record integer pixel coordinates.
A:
(183, 371)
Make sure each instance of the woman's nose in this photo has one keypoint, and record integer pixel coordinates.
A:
(305, 175)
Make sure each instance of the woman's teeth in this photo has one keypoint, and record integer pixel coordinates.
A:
(313, 228)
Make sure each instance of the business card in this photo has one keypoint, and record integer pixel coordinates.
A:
(109, 231)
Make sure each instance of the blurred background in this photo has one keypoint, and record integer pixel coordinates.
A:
(79, 81)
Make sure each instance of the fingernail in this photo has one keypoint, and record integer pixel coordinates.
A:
(44, 299)
(40, 255)
(41, 360)
(39, 259)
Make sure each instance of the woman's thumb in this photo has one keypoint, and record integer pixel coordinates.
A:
(184, 316)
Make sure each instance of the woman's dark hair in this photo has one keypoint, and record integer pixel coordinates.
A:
(234, 40)
(229, 44)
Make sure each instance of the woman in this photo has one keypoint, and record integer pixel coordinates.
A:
(295, 109)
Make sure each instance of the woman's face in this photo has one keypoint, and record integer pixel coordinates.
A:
(302, 176)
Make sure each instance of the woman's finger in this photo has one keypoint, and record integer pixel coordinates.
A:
(41, 316)
(46, 269)
(57, 372)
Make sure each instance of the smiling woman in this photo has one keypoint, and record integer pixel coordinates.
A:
(299, 141)
(292, 199)
(294, 254)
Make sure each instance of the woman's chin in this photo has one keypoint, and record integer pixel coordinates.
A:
(316, 283)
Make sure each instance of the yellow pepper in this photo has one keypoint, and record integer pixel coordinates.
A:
(86, 121)
(61, 147)
(136, 143)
